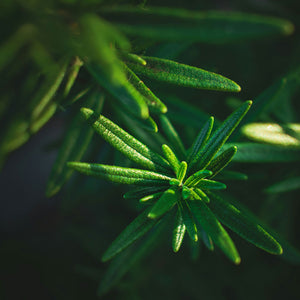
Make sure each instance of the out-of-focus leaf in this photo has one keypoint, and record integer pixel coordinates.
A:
(143, 192)
(274, 134)
(173, 72)
(188, 219)
(75, 143)
(259, 153)
(136, 229)
(243, 225)
(210, 26)
(231, 175)
(283, 186)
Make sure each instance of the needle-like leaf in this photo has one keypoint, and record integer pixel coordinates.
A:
(215, 230)
(231, 175)
(243, 225)
(196, 177)
(125, 143)
(120, 174)
(163, 204)
(200, 195)
(188, 219)
(211, 184)
(182, 171)
(283, 186)
(178, 232)
(136, 229)
(143, 192)
(171, 157)
(221, 161)
(219, 137)
(184, 75)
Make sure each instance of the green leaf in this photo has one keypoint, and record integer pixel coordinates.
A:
(196, 177)
(163, 204)
(128, 258)
(151, 197)
(136, 229)
(178, 232)
(75, 143)
(219, 137)
(100, 49)
(258, 153)
(243, 225)
(215, 230)
(120, 174)
(171, 157)
(200, 195)
(206, 26)
(133, 58)
(283, 186)
(152, 101)
(182, 171)
(274, 134)
(206, 239)
(221, 161)
(183, 75)
(125, 143)
(201, 139)
(188, 220)
(172, 136)
(128, 97)
(211, 185)
(143, 192)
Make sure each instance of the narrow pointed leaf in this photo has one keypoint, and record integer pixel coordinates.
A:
(201, 195)
(125, 143)
(143, 192)
(186, 193)
(259, 153)
(175, 73)
(136, 229)
(126, 94)
(151, 197)
(196, 177)
(120, 174)
(75, 143)
(182, 171)
(163, 204)
(188, 220)
(178, 232)
(152, 101)
(201, 139)
(243, 225)
(211, 184)
(171, 157)
(219, 137)
(206, 239)
(215, 230)
(202, 26)
(231, 175)
(132, 58)
(221, 161)
(172, 136)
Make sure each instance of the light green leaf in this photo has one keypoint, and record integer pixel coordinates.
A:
(184, 75)
(125, 143)
(163, 204)
(182, 171)
(120, 174)
(153, 102)
(136, 229)
(200, 195)
(75, 143)
(219, 137)
(215, 230)
(221, 161)
(178, 232)
(196, 177)
(133, 58)
(274, 134)
(243, 225)
(205, 26)
(171, 157)
(151, 197)
(259, 153)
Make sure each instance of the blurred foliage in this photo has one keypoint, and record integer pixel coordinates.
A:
(142, 63)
